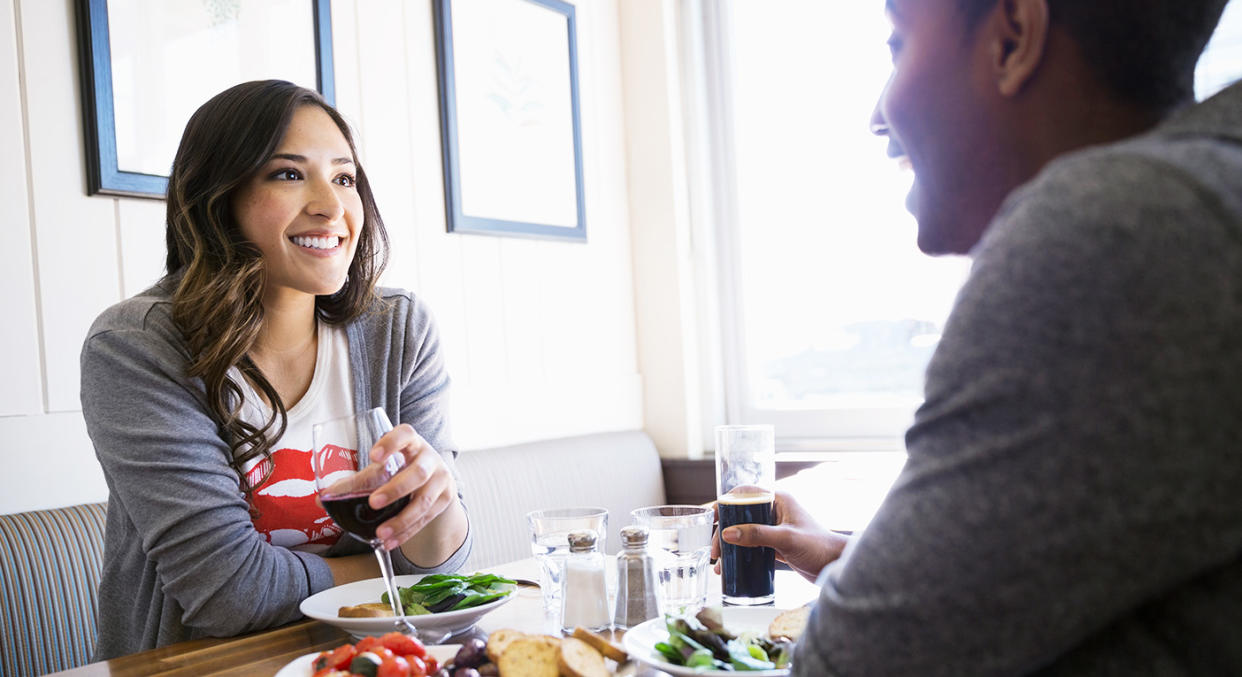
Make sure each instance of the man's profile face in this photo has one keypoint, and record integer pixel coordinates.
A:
(935, 112)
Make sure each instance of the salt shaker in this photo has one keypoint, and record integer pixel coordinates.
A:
(584, 599)
(636, 591)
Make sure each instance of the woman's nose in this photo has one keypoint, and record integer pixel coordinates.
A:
(325, 202)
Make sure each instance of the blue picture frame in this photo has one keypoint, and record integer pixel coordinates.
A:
(458, 219)
(103, 175)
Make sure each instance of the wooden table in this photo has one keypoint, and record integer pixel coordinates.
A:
(264, 653)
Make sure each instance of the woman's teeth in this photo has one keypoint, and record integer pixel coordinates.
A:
(317, 242)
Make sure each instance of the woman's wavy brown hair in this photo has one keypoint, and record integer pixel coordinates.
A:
(219, 276)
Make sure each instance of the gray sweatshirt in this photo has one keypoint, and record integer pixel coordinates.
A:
(1072, 501)
(182, 559)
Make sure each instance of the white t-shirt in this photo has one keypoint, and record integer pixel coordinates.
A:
(288, 514)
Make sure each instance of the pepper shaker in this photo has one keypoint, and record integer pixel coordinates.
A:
(636, 584)
(584, 599)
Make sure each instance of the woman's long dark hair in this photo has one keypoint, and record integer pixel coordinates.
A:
(217, 302)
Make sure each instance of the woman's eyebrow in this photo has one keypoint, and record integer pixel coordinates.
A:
(294, 157)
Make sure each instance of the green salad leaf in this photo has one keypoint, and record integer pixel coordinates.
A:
(451, 592)
(699, 640)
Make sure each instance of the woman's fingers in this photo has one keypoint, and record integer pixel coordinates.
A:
(402, 439)
(425, 480)
(431, 499)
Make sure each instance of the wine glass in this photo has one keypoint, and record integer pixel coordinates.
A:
(345, 478)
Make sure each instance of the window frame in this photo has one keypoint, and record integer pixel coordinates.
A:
(706, 76)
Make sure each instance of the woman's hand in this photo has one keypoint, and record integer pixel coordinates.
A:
(798, 539)
(433, 495)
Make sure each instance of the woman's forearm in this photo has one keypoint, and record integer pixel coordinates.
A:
(436, 542)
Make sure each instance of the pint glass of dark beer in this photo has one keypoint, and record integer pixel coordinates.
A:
(745, 491)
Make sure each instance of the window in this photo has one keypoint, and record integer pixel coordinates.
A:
(1221, 63)
(830, 312)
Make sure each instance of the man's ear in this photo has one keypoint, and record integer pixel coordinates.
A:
(1020, 36)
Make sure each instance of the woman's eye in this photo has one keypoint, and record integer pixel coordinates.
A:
(347, 180)
(286, 175)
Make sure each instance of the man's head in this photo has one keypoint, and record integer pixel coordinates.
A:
(985, 92)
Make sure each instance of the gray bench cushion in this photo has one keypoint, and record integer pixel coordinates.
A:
(50, 561)
(618, 471)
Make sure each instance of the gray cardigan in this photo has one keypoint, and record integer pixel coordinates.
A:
(182, 559)
(1072, 501)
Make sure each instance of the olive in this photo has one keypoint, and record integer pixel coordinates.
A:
(473, 652)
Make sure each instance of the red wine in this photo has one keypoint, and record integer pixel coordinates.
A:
(355, 515)
(746, 572)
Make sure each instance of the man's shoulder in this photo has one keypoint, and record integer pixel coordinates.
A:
(1141, 189)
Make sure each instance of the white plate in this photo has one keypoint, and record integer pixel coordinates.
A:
(324, 605)
(640, 641)
(301, 667)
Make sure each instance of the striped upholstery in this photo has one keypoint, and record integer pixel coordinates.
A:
(50, 562)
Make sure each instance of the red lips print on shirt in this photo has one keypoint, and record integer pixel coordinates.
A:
(289, 515)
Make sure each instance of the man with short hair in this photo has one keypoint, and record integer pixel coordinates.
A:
(1072, 500)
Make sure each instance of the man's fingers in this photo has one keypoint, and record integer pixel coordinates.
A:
(753, 535)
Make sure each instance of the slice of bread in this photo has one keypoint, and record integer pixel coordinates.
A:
(789, 624)
(371, 610)
(579, 659)
(602, 644)
(499, 640)
(530, 656)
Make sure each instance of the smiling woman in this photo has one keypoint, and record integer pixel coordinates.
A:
(199, 393)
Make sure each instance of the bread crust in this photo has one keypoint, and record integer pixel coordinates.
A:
(789, 624)
(500, 640)
(530, 656)
(602, 644)
(579, 659)
(369, 610)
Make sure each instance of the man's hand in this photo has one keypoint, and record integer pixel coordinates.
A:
(798, 539)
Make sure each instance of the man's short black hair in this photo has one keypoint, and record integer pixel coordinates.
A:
(1145, 51)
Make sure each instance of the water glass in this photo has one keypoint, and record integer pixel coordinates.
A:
(549, 543)
(680, 538)
(745, 494)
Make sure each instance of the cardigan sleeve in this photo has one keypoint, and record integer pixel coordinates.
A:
(166, 467)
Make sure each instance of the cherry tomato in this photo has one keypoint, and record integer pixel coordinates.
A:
(430, 663)
(393, 666)
(339, 658)
(419, 666)
(368, 644)
(403, 645)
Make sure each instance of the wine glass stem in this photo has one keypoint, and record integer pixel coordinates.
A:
(385, 565)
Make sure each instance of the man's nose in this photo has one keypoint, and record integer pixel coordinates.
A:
(879, 125)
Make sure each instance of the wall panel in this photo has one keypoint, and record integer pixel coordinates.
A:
(75, 235)
(22, 392)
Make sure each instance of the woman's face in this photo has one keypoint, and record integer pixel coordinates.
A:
(302, 209)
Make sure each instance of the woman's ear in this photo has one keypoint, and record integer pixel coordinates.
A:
(1020, 36)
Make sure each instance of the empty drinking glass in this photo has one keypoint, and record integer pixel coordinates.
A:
(549, 543)
(680, 537)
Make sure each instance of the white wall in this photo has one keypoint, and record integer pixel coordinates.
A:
(540, 335)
